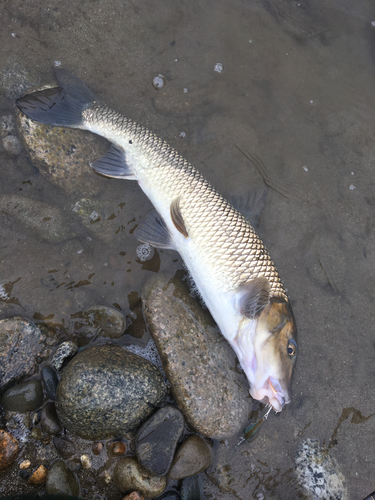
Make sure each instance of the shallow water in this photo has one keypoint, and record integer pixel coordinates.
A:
(293, 107)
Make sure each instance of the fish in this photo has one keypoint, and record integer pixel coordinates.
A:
(227, 260)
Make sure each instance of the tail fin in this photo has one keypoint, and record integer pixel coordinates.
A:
(61, 106)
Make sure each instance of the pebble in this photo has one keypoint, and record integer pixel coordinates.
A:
(190, 489)
(50, 381)
(134, 495)
(107, 391)
(192, 457)
(36, 433)
(97, 448)
(61, 481)
(42, 219)
(12, 145)
(22, 346)
(24, 397)
(129, 475)
(98, 321)
(65, 448)
(39, 476)
(157, 439)
(25, 464)
(201, 367)
(118, 448)
(49, 420)
(169, 495)
(8, 450)
(64, 354)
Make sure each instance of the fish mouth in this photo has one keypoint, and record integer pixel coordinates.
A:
(271, 393)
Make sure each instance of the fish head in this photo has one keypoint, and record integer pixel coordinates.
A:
(269, 364)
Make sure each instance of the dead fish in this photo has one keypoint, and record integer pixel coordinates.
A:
(230, 265)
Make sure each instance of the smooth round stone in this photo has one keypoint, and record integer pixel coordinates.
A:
(8, 450)
(39, 476)
(107, 391)
(191, 458)
(50, 381)
(98, 321)
(61, 481)
(157, 439)
(129, 475)
(190, 489)
(64, 353)
(21, 345)
(24, 397)
(199, 364)
(65, 448)
(49, 420)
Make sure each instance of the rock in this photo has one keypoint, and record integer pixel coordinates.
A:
(8, 450)
(190, 489)
(169, 495)
(98, 321)
(192, 457)
(12, 145)
(200, 365)
(118, 448)
(39, 476)
(36, 433)
(157, 439)
(65, 448)
(49, 420)
(107, 391)
(15, 79)
(23, 397)
(50, 381)
(25, 464)
(129, 475)
(22, 346)
(64, 354)
(134, 495)
(43, 220)
(62, 154)
(61, 481)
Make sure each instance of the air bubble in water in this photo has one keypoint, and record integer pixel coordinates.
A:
(144, 252)
(158, 82)
(218, 67)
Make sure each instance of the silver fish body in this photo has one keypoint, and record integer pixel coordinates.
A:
(229, 263)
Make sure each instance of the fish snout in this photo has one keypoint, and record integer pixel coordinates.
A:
(272, 393)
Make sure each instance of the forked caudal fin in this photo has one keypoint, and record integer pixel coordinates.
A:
(61, 106)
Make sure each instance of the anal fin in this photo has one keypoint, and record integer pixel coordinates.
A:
(154, 231)
(177, 218)
(113, 164)
(252, 297)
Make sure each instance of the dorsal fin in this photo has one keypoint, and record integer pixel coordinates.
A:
(252, 297)
(177, 218)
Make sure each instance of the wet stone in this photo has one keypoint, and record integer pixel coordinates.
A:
(134, 495)
(129, 475)
(64, 354)
(190, 489)
(192, 457)
(23, 397)
(64, 447)
(39, 476)
(8, 450)
(169, 495)
(49, 420)
(61, 481)
(157, 439)
(22, 346)
(50, 381)
(107, 391)
(198, 362)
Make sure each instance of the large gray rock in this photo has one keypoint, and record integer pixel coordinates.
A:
(198, 362)
(22, 345)
(61, 481)
(107, 391)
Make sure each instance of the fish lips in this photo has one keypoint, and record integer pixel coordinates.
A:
(272, 393)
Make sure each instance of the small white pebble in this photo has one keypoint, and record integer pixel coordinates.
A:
(305, 168)
(176, 60)
(250, 41)
(85, 461)
(351, 187)
(57, 63)
(218, 67)
(94, 216)
(352, 173)
(79, 252)
(14, 35)
(185, 91)
(182, 135)
(311, 102)
(372, 24)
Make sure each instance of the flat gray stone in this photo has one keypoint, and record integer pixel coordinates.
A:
(107, 391)
(198, 362)
(24, 397)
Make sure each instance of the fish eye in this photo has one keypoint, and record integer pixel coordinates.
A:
(292, 348)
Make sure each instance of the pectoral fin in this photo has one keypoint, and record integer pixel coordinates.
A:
(113, 164)
(252, 297)
(177, 218)
(154, 231)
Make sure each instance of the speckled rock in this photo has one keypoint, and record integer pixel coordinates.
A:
(62, 154)
(22, 346)
(107, 391)
(64, 447)
(49, 420)
(64, 354)
(61, 481)
(8, 450)
(50, 381)
(23, 397)
(129, 475)
(43, 220)
(192, 457)
(157, 439)
(97, 321)
(200, 365)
